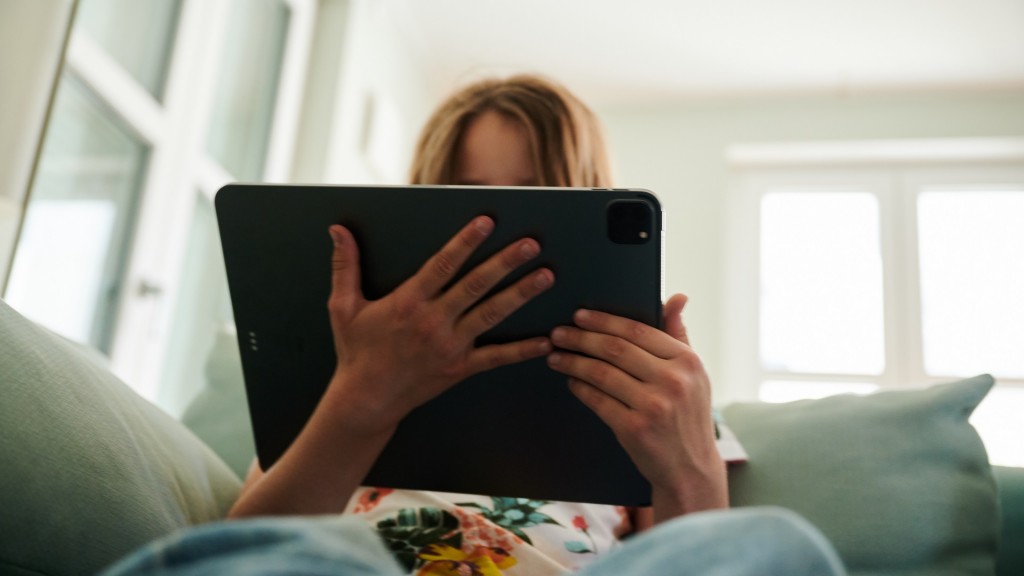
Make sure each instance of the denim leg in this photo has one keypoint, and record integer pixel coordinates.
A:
(329, 545)
(738, 542)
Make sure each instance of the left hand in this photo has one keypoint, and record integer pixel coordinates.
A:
(651, 388)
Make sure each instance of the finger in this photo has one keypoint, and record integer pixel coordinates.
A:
(600, 374)
(673, 318)
(608, 409)
(479, 281)
(497, 355)
(439, 270)
(500, 306)
(346, 292)
(647, 337)
(614, 350)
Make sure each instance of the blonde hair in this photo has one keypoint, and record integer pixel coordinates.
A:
(565, 136)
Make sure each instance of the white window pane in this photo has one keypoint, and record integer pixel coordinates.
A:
(821, 283)
(247, 89)
(138, 34)
(62, 294)
(203, 308)
(998, 421)
(69, 266)
(972, 282)
(788, 390)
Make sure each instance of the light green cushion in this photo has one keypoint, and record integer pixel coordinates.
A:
(90, 469)
(898, 481)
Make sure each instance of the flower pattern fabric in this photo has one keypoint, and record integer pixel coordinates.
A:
(441, 534)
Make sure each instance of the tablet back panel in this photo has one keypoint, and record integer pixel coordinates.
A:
(515, 431)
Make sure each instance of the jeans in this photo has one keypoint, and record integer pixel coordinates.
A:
(742, 541)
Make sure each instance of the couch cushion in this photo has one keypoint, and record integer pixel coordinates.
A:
(91, 469)
(898, 481)
(1011, 499)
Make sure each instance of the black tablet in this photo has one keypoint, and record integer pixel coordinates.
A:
(515, 431)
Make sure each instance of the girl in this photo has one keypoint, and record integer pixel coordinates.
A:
(400, 351)
(395, 353)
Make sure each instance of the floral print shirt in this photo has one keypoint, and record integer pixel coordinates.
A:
(443, 534)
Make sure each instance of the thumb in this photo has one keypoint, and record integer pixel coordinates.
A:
(346, 291)
(673, 318)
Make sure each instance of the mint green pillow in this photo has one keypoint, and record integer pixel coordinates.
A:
(90, 469)
(898, 481)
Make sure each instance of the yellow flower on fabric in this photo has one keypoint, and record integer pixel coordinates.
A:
(444, 560)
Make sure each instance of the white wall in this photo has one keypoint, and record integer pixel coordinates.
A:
(678, 151)
(32, 34)
(382, 99)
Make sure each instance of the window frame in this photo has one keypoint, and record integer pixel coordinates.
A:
(895, 172)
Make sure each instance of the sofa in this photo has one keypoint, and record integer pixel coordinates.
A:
(898, 481)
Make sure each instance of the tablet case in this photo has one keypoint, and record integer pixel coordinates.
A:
(515, 431)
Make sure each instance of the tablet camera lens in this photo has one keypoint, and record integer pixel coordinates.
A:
(630, 221)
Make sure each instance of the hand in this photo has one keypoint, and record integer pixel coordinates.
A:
(651, 388)
(400, 351)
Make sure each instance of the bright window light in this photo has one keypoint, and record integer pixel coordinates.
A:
(998, 421)
(58, 276)
(821, 283)
(778, 391)
(972, 282)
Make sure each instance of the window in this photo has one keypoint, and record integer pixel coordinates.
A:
(162, 102)
(867, 278)
(971, 243)
(72, 252)
(821, 283)
(138, 36)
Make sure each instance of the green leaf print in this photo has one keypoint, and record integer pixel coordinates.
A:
(577, 547)
(410, 530)
(514, 514)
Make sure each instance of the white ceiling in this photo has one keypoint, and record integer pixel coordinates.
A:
(625, 51)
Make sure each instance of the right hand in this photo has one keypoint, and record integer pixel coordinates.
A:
(404, 349)
(651, 388)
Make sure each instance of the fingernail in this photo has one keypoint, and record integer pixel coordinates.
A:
(544, 347)
(558, 334)
(582, 314)
(542, 280)
(336, 236)
(529, 249)
(484, 225)
(554, 358)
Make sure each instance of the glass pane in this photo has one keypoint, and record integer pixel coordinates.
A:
(821, 283)
(203, 308)
(788, 390)
(139, 35)
(998, 421)
(71, 255)
(972, 282)
(247, 89)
